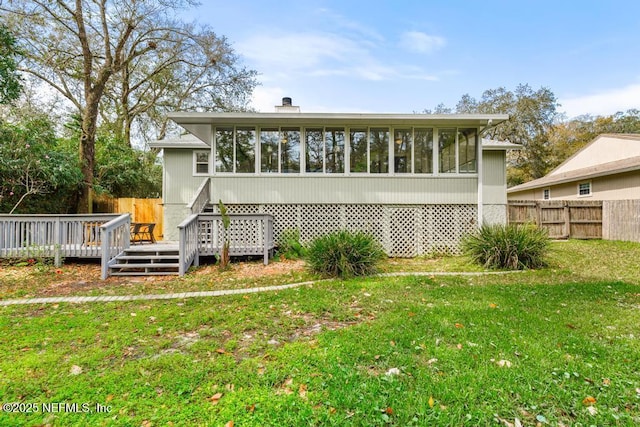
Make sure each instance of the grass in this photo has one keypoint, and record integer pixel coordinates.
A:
(536, 346)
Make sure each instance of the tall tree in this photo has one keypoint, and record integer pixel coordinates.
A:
(10, 86)
(80, 48)
(532, 113)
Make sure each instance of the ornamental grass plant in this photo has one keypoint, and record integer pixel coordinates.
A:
(510, 247)
(345, 254)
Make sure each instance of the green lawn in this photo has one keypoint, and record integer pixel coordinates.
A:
(559, 346)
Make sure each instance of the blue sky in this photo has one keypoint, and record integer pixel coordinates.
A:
(405, 56)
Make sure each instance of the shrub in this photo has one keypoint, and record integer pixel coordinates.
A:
(512, 247)
(289, 245)
(344, 254)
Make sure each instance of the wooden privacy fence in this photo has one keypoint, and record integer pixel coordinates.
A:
(141, 210)
(578, 219)
(621, 220)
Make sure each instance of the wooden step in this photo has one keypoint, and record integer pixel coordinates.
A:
(148, 257)
(146, 265)
(144, 273)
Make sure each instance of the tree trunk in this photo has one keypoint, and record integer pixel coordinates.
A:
(87, 152)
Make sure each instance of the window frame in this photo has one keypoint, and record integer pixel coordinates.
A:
(590, 187)
(546, 194)
(196, 163)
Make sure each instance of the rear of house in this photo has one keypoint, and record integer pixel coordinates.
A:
(417, 182)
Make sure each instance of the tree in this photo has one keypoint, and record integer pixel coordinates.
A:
(81, 47)
(193, 70)
(532, 114)
(31, 163)
(10, 86)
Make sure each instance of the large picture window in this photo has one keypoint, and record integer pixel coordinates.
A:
(245, 150)
(423, 151)
(290, 150)
(269, 144)
(314, 150)
(358, 153)
(224, 150)
(447, 150)
(402, 143)
(467, 141)
(334, 149)
(379, 151)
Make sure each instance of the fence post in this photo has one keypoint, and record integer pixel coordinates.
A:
(567, 220)
(538, 215)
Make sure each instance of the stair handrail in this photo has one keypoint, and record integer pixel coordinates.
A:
(115, 238)
(188, 244)
(201, 197)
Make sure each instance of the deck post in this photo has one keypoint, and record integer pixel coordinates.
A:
(57, 245)
(265, 242)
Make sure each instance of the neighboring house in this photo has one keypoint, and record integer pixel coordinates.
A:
(417, 182)
(608, 168)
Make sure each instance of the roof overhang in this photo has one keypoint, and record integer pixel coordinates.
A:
(200, 124)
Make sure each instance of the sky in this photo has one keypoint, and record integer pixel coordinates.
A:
(405, 56)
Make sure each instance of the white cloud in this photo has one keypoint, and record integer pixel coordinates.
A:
(420, 42)
(265, 99)
(603, 103)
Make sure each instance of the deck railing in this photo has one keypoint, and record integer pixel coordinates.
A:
(188, 244)
(201, 197)
(249, 234)
(115, 239)
(51, 236)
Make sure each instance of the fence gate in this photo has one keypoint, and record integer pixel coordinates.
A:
(578, 219)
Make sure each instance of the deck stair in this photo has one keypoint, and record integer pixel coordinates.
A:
(151, 260)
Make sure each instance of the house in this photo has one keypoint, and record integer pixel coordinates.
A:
(417, 182)
(608, 168)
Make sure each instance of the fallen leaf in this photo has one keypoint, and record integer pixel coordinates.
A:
(332, 410)
(503, 421)
(606, 381)
(146, 423)
(411, 314)
(492, 305)
(221, 351)
(392, 343)
(251, 408)
(432, 361)
(75, 370)
(459, 346)
(570, 326)
(215, 398)
(109, 398)
(592, 410)
(589, 401)
(431, 402)
(229, 424)
(459, 325)
(389, 411)
(302, 391)
(504, 363)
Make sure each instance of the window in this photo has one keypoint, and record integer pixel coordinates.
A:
(584, 189)
(269, 150)
(423, 151)
(314, 150)
(379, 151)
(201, 162)
(467, 150)
(334, 144)
(358, 153)
(402, 142)
(245, 150)
(290, 150)
(224, 150)
(546, 194)
(447, 150)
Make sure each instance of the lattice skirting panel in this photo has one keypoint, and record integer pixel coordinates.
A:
(403, 230)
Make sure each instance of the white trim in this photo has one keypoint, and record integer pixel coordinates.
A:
(195, 163)
(590, 189)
